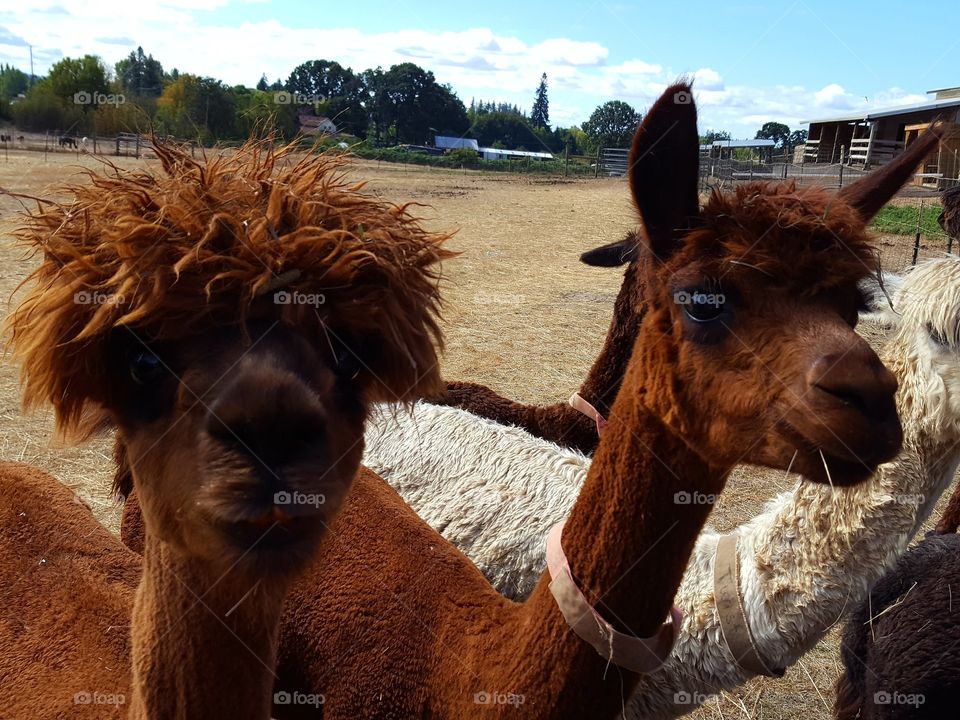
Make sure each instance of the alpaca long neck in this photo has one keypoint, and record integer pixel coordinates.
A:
(607, 372)
(631, 530)
(204, 642)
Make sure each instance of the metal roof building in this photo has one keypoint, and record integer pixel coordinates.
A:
(498, 154)
(452, 143)
(875, 137)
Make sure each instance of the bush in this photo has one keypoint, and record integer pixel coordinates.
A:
(464, 157)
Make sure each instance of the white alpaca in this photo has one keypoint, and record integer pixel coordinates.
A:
(805, 560)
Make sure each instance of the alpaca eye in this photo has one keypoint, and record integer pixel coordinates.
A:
(938, 337)
(346, 364)
(145, 367)
(702, 307)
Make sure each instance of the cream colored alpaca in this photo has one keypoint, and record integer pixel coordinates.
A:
(808, 557)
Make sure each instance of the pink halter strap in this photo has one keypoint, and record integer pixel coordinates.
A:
(640, 655)
(580, 405)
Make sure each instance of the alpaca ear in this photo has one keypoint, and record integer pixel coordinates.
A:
(878, 299)
(613, 254)
(871, 193)
(665, 167)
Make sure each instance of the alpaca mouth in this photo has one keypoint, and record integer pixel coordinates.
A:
(819, 463)
(278, 533)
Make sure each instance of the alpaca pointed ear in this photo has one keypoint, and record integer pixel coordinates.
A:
(613, 254)
(871, 193)
(665, 166)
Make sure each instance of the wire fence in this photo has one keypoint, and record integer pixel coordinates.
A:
(907, 230)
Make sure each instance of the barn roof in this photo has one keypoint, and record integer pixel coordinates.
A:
(450, 143)
(888, 112)
(743, 143)
(517, 153)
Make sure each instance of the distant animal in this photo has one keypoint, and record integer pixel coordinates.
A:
(66, 141)
(949, 218)
(20, 139)
(6, 138)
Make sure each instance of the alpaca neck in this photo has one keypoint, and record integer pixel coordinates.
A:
(629, 534)
(200, 647)
(606, 374)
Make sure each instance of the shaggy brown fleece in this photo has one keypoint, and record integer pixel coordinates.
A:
(135, 250)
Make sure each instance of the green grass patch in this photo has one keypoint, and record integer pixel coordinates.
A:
(902, 220)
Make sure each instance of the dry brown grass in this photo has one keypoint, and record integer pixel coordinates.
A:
(523, 316)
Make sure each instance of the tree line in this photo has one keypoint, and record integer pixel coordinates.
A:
(404, 104)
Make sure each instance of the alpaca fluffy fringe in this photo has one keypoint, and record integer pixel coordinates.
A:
(200, 245)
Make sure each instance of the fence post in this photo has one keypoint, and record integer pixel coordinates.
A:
(916, 242)
(566, 159)
(596, 166)
(842, 153)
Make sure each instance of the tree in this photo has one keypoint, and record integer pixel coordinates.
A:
(264, 84)
(196, 107)
(712, 135)
(81, 78)
(612, 124)
(797, 137)
(338, 89)
(12, 82)
(140, 74)
(505, 130)
(540, 115)
(778, 132)
(416, 107)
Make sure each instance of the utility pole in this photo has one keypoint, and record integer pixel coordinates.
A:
(30, 83)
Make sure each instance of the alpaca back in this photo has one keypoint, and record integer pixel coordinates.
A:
(901, 647)
(493, 491)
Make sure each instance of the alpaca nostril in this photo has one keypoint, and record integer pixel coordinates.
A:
(857, 380)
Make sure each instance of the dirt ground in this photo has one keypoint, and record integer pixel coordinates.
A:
(523, 316)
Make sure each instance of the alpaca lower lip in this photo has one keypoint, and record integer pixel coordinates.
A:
(257, 536)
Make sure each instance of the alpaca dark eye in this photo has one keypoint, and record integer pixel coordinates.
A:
(346, 364)
(937, 336)
(700, 306)
(145, 367)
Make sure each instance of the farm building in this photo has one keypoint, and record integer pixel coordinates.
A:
(311, 124)
(489, 153)
(452, 143)
(874, 138)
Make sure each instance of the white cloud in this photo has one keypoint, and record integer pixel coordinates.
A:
(477, 62)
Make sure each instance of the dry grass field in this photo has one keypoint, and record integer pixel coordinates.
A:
(523, 316)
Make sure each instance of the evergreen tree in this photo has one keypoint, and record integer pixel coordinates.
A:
(540, 116)
(264, 84)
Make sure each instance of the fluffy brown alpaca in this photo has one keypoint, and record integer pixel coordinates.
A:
(901, 646)
(241, 415)
(772, 375)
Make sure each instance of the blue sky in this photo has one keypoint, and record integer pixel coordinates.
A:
(753, 62)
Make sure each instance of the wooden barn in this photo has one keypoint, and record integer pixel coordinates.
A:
(874, 138)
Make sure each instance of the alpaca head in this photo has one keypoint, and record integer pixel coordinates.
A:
(925, 344)
(233, 319)
(747, 348)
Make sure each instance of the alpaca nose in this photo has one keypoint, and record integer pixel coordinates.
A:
(275, 421)
(858, 379)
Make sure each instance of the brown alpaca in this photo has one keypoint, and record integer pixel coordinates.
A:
(949, 218)
(774, 374)
(155, 310)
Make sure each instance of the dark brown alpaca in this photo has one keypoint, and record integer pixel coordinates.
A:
(407, 627)
(240, 414)
(901, 647)
(949, 217)
(560, 423)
